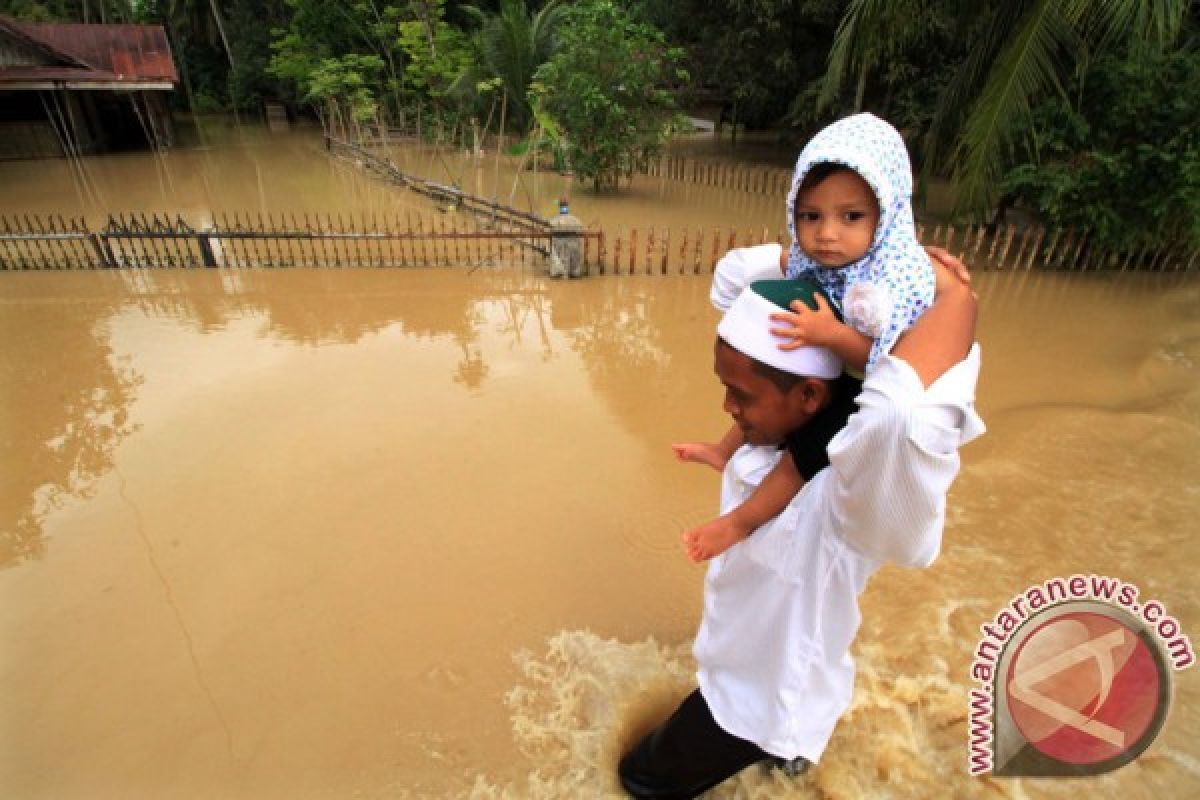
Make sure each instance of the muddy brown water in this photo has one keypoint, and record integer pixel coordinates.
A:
(220, 167)
(413, 533)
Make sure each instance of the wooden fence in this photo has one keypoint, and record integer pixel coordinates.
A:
(774, 181)
(367, 240)
(662, 251)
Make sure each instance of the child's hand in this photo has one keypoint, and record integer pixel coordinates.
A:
(807, 327)
(712, 538)
(700, 453)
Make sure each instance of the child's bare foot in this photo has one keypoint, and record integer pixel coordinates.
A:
(700, 453)
(712, 538)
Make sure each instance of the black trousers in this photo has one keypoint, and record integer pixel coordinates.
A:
(686, 756)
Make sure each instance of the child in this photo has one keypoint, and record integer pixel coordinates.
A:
(850, 216)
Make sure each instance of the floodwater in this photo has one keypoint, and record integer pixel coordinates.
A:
(221, 167)
(413, 533)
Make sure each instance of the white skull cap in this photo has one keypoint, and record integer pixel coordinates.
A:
(741, 267)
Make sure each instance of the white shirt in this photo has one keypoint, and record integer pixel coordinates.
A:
(781, 607)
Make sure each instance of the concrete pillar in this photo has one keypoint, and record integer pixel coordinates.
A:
(566, 245)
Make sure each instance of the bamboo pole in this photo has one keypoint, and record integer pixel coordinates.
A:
(1051, 248)
(683, 251)
(1069, 242)
(617, 252)
(1036, 246)
(972, 258)
(1008, 240)
(1021, 245)
(650, 251)
(666, 250)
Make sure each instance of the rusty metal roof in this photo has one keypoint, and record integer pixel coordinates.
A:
(92, 53)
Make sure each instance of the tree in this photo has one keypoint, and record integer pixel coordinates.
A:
(752, 57)
(318, 30)
(1125, 165)
(511, 44)
(1016, 54)
(436, 51)
(343, 88)
(607, 89)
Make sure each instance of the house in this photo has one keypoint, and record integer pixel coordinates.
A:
(68, 89)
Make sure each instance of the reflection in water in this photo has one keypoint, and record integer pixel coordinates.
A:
(307, 517)
(66, 410)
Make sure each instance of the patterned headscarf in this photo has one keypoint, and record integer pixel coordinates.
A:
(882, 294)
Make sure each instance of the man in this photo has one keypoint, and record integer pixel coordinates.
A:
(780, 607)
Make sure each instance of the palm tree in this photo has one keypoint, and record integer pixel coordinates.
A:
(512, 44)
(1017, 52)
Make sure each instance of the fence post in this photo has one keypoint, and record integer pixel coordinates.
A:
(566, 246)
(103, 250)
(206, 251)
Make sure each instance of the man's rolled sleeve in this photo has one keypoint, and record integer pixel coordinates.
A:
(894, 462)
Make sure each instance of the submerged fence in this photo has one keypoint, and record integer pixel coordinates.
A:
(257, 240)
(759, 179)
(446, 196)
(366, 240)
(662, 251)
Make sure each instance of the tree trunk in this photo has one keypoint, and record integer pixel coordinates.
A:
(216, 12)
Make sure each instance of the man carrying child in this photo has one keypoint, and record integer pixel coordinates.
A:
(780, 606)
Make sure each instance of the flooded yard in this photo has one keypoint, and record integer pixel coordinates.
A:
(223, 167)
(413, 533)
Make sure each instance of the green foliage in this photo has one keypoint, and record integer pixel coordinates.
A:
(606, 89)
(1015, 55)
(751, 57)
(319, 30)
(1126, 165)
(509, 47)
(345, 85)
(436, 52)
(71, 10)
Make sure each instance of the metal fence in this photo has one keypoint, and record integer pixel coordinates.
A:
(139, 240)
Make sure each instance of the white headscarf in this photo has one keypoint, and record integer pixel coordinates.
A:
(882, 294)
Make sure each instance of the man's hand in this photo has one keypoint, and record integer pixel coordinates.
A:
(701, 453)
(803, 326)
(949, 271)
